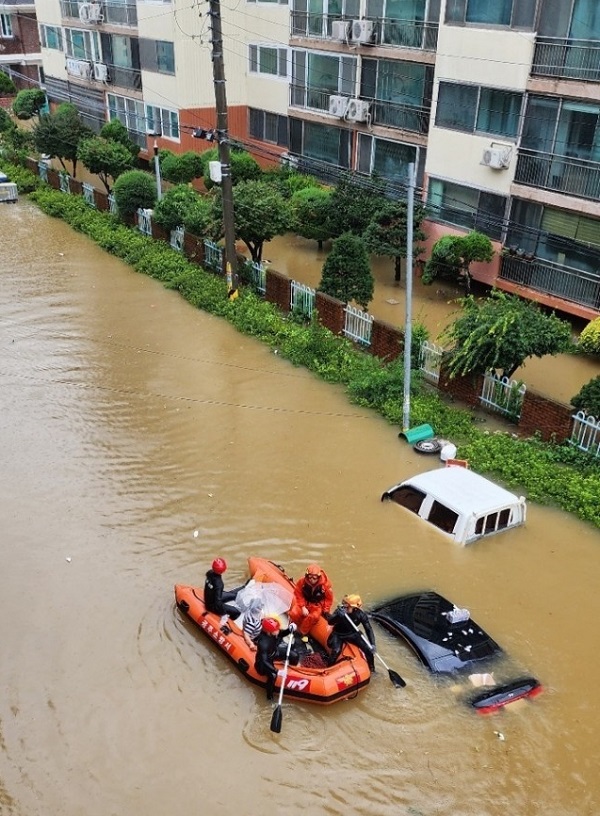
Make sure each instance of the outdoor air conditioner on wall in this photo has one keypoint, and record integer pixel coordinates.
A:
(363, 31)
(340, 30)
(79, 68)
(95, 13)
(338, 105)
(100, 72)
(358, 110)
(495, 158)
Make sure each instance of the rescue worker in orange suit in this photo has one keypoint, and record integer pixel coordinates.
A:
(215, 597)
(343, 631)
(313, 597)
(269, 647)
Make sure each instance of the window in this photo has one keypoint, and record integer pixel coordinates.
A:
(165, 57)
(83, 45)
(265, 59)
(323, 143)
(443, 518)
(268, 127)
(130, 112)
(467, 207)
(514, 13)
(315, 77)
(163, 121)
(5, 26)
(471, 108)
(562, 127)
(387, 159)
(577, 19)
(51, 37)
(401, 91)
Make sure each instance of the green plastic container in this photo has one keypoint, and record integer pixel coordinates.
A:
(413, 435)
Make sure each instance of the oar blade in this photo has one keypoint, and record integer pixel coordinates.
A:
(397, 681)
(276, 720)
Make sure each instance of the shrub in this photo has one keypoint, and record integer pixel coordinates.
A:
(133, 190)
(6, 123)
(7, 86)
(588, 399)
(28, 103)
(171, 210)
(243, 166)
(347, 272)
(589, 340)
(25, 180)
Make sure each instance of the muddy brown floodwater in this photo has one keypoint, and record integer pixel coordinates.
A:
(128, 420)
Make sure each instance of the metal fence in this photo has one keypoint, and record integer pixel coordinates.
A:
(112, 205)
(585, 434)
(65, 182)
(176, 238)
(144, 219)
(430, 361)
(88, 193)
(358, 325)
(503, 395)
(258, 274)
(43, 171)
(213, 255)
(302, 299)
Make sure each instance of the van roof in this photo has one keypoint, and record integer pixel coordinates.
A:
(462, 490)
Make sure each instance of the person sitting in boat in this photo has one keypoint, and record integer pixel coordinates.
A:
(313, 597)
(252, 622)
(269, 647)
(350, 612)
(215, 598)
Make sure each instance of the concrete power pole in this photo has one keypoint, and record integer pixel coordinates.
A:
(223, 141)
(409, 282)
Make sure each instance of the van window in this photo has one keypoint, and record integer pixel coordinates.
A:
(492, 522)
(442, 517)
(409, 497)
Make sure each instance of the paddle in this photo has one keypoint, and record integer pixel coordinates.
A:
(394, 676)
(278, 714)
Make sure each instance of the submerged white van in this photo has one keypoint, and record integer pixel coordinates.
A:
(460, 503)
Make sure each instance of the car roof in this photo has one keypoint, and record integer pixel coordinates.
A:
(443, 647)
(462, 490)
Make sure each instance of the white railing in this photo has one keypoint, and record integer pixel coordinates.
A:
(112, 205)
(43, 171)
(213, 255)
(176, 238)
(503, 395)
(586, 433)
(258, 273)
(144, 218)
(88, 193)
(430, 360)
(302, 299)
(358, 325)
(65, 182)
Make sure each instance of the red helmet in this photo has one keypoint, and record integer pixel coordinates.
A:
(219, 565)
(271, 626)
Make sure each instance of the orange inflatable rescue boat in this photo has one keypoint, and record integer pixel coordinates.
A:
(312, 679)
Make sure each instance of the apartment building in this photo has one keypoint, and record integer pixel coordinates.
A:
(20, 55)
(497, 104)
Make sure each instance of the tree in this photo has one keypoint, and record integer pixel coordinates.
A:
(589, 339)
(289, 181)
(261, 213)
(58, 134)
(387, 232)
(347, 272)
(199, 218)
(28, 103)
(116, 131)
(181, 168)
(310, 214)
(501, 332)
(7, 86)
(104, 158)
(588, 398)
(6, 123)
(243, 166)
(133, 190)
(452, 256)
(353, 205)
(181, 204)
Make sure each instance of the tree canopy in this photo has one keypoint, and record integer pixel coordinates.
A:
(347, 273)
(452, 256)
(310, 213)
(181, 168)
(244, 167)
(353, 205)
(104, 158)
(28, 103)
(588, 398)
(182, 206)
(500, 332)
(58, 134)
(134, 190)
(7, 86)
(386, 233)
(117, 132)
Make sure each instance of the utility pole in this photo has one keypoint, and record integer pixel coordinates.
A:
(157, 169)
(223, 141)
(409, 282)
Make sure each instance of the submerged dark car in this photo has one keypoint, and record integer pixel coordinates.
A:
(449, 642)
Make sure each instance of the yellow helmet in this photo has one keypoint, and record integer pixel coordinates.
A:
(353, 601)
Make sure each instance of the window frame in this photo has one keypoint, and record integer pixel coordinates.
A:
(6, 27)
(164, 121)
(160, 58)
(57, 30)
(457, 10)
(478, 218)
(261, 136)
(281, 57)
(92, 51)
(475, 129)
(122, 110)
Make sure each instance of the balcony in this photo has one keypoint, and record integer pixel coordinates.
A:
(549, 278)
(399, 33)
(305, 96)
(118, 14)
(567, 59)
(577, 177)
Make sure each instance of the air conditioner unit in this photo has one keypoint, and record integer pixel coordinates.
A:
(363, 31)
(79, 68)
(100, 72)
(84, 12)
(340, 30)
(357, 111)
(338, 105)
(95, 13)
(495, 158)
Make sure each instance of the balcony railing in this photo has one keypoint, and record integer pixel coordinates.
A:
(567, 59)
(120, 14)
(305, 96)
(577, 177)
(125, 77)
(552, 279)
(402, 33)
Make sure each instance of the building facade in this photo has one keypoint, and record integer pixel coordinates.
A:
(20, 55)
(497, 104)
